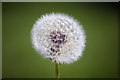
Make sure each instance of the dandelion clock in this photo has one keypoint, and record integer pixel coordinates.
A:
(59, 38)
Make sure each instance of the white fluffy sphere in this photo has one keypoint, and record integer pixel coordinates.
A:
(58, 37)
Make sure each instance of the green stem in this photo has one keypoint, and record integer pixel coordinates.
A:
(57, 71)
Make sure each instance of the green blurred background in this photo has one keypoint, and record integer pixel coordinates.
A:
(99, 60)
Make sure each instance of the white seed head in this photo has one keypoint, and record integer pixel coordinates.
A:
(58, 37)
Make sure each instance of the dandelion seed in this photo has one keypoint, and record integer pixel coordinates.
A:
(58, 37)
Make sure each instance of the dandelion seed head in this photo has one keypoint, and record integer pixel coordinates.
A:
(58, 37)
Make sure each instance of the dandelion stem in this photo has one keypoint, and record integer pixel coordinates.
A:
(57, 71)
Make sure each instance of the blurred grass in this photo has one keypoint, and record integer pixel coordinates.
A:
(99, 60)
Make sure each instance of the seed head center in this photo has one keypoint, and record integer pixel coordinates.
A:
(57, 38)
